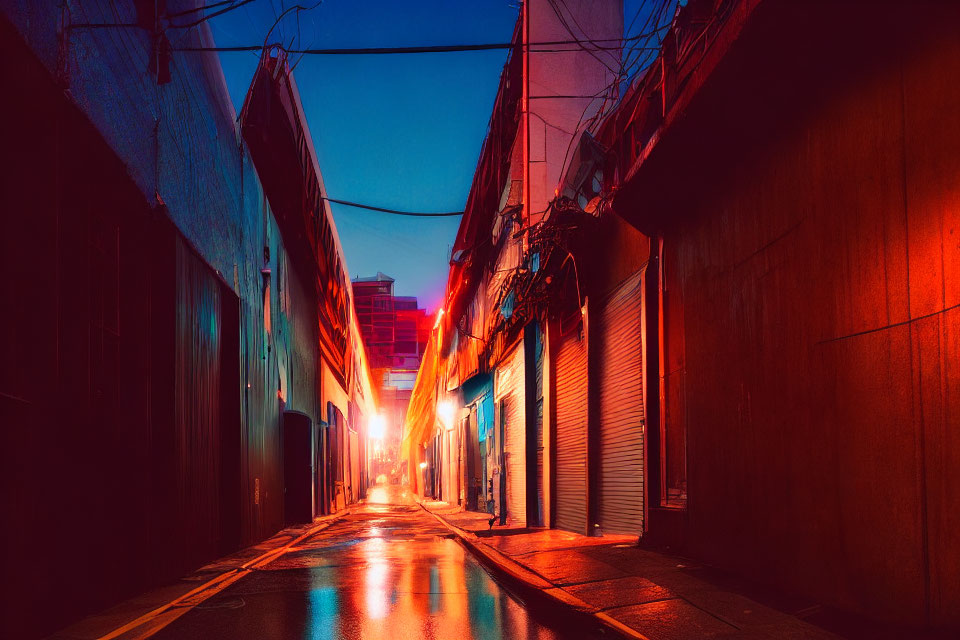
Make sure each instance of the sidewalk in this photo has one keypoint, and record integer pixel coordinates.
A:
(633, 591)
(147, 613)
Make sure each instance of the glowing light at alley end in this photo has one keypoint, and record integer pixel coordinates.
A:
(377, 428)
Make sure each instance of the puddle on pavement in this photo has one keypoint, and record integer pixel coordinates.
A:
(412, 581)
(423, 588)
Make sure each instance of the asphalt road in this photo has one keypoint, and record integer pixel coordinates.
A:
(387, 571)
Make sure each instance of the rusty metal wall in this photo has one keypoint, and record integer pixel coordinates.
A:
(812, 298)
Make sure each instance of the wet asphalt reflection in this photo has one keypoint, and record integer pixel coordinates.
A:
(387, 571)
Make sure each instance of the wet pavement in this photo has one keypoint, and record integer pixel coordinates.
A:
(388, 570)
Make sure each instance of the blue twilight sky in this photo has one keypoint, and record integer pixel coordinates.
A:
(398, 131)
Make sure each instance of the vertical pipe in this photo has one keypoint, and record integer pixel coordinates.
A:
(661, 374)
(651, 382)
(593, 421)
(525, 109)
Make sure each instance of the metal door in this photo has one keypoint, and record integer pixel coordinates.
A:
(298, 469)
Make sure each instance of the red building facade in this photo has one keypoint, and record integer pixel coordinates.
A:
(394, 332)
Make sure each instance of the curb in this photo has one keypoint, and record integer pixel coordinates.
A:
(534, 588)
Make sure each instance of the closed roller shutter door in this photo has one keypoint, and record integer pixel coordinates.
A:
(572, 433)
(621, 410)
(514, 448)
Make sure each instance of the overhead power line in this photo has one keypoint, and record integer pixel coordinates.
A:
(187, 12)
(232, 7)
(362, 50)
(535, 47)
(416, 214)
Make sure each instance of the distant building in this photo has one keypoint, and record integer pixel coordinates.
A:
(394, 332)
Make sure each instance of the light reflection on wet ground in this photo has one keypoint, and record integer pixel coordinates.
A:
(387, 571)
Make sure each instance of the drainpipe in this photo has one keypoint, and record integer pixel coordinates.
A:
(593, 422)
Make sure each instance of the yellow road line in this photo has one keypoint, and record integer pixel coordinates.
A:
(212, 587)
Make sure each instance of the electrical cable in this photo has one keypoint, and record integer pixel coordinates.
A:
(556, 10)
(623, 72)
(199, 21)
(604, 107)
(644, 54)
(416, 214)
(187, 12)
(635, 16)
(439, 48)
(385, 50)
(298, 8)
(657, 16)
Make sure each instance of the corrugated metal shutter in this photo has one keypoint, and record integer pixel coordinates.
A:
(571, 427)
(620, 352)
(510, 374)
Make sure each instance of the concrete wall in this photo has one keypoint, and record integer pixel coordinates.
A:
(810, 212)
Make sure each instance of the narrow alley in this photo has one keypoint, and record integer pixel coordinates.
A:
(499, 319)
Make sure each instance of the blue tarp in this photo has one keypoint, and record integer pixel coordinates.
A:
(479, 389)
(484, 416)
